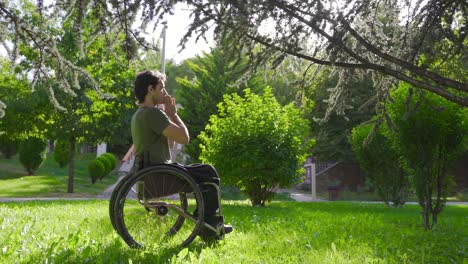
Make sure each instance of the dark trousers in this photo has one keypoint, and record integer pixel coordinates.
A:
(204, 173)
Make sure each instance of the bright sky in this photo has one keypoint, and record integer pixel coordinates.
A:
(177, 26)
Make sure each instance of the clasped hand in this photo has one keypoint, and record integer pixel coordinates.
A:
(170, 105)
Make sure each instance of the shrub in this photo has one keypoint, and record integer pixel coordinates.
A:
(256, 144)
(8, 146)
(32, 153)
(96, 170)
(111, 158)
(107, 165)
(62, 152)
(381, 164)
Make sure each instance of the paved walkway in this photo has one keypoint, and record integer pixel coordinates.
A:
(123, 170)
(108, 192)
(301, 197)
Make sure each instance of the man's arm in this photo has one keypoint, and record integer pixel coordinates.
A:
(176, 130)
(129, 154)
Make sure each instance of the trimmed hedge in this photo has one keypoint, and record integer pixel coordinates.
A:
(106, 162)
(111, 158)
(107, 165)
(96, 170)
(32, 153)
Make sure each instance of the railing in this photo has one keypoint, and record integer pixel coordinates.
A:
(323, 166)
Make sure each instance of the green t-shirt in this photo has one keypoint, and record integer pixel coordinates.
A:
(147, 126)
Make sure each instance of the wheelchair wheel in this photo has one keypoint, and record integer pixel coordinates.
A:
(160, 205)
(114, 198)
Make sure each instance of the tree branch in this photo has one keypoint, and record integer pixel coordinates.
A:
(411, 67)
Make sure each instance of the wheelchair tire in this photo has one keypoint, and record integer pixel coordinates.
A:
(113, 199)
(155, 207)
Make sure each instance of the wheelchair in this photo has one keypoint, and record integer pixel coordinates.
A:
(161, 205)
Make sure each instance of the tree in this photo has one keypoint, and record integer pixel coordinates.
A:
(256, 144)
(381, 164)
(38, 28)
(429, 134)
(89, 117)
(333, 135)
(356, 36)
(91, 114)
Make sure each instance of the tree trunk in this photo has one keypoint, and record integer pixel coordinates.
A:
(426, 215)
(71, 168)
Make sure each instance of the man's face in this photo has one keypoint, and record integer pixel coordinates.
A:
(158, 93)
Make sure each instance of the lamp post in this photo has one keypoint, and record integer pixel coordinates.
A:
(163, 57)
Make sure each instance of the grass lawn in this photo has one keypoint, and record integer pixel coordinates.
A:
(50, 180)
(282, 232)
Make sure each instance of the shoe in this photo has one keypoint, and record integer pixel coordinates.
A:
(228, 229)
(207, 233)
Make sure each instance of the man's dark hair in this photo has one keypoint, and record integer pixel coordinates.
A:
(143, 80)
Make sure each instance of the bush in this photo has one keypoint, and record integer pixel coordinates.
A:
(256, 144)
(8, 146)
(96, 170)
(111, 158)
(107, 165)
(32, 153)
(62, 152)
(381, 164)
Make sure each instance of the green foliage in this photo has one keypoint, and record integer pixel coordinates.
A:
(32, 153)
(256, 144)
(30, 108)
(333, 134)
(62, 152)
(107, 165)
(381, 164)
(111, 158)
(430, 132)
(96, 169)
(200, 95)
(8, 146)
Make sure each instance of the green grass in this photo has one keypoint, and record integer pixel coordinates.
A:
(282, 232)
(50, 180)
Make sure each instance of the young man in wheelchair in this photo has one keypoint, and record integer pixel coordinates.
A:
(152, 130)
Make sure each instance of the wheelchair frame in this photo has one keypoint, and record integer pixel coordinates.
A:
(132, 187)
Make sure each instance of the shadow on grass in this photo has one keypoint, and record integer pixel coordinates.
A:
(118, 252)
(30, 186)
(347, 227)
